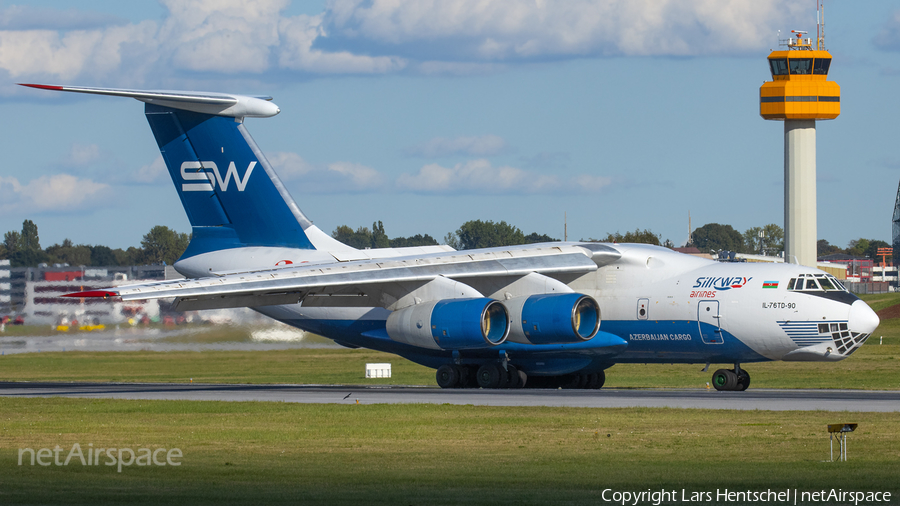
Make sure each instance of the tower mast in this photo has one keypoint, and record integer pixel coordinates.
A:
(800, 94)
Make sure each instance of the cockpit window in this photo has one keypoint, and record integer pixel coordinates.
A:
(826, 284)
(801, 66)
(815, 282)
(779, 66)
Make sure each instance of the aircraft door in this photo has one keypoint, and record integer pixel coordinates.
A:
(708, 319)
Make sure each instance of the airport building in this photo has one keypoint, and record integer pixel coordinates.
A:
(36, 293)
(5, 287)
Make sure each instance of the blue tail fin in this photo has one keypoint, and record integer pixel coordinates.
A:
(231, 195)
(229, 191)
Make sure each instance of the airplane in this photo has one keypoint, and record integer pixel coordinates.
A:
(504, 317)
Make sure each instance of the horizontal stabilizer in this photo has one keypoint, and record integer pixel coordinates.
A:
(217, 104)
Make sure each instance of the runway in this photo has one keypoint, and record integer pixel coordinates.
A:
(762, 399)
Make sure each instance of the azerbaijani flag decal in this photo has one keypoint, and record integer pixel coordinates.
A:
(770, 284)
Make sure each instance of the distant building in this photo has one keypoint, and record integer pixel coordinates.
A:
(859, 269)
(36, 293)
(5, 286)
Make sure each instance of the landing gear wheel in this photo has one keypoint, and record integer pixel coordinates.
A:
(504, 377)
(743, 381)
(523, 379)
(724, 379)
(595, 380)
(447, 376)
(569, 381)
(601, 380)
(513, 374)
(489, 375)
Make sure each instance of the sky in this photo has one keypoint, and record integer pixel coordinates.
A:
(610, 115)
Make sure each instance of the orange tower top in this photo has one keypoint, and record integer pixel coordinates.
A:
(799, 88)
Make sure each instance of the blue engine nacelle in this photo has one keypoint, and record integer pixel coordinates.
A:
(451, 324)
(553, 318)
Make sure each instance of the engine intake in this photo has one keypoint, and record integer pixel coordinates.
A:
(451, 324)
(553, 318)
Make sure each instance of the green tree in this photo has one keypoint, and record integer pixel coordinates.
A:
(858, 247)
(414, 240)
(26, 251)
(362, 238)
(379, 237)
(103, 256)
(487, 234)
(69, 253)
(30, 240)
(452, 240)
(11, 242)
(163, 245)
(770, 243)
(716, 237)
(872, 250)
(824, 248)
(343, 233)
(131, 256)
(638, 236)
(534, 237)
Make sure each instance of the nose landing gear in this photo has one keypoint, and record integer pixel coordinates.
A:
(736, 379)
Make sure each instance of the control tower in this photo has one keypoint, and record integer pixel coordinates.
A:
(799, 94)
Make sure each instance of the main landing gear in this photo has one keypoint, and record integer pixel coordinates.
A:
(494, 375)
(487, 376)
(736, 379)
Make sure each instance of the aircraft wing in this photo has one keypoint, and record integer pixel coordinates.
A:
(391, 283)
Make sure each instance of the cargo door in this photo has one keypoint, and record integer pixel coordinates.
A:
(709, 320)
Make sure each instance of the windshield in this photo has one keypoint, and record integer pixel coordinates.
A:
(815, 282)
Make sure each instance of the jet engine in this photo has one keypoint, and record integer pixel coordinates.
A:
(451, 324)
(553, 318)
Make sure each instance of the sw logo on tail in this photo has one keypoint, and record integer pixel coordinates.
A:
(197, 171)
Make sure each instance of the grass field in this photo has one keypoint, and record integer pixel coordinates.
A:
(273, 453)
(276, 453)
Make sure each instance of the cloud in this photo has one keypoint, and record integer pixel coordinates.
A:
(225, 36)
(289, 165)
(61, 193)
(296, 52)
(480, 177)
(358, 176)
(154, 172)
(337, 177)
(485, 145)
(204, 40)
(81, 155)
(889, 37)
(478, 30)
